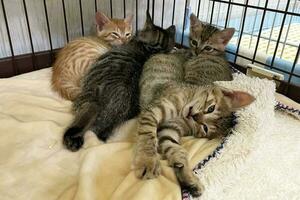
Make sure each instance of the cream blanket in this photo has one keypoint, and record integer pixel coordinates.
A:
(258, 161)
(34, 165)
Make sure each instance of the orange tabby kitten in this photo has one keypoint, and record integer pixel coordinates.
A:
(76, 57)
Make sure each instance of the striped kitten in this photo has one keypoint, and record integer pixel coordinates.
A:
(201, 111)
(75, 59)
(110, 93)
(208, 45)
(170, 109)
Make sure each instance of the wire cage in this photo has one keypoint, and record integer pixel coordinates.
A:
(31, 31)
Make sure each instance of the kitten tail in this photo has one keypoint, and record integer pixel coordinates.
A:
(74, 135)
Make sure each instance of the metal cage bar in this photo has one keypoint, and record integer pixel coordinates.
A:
(124, 8)
(153, 8)
(15, 69)
(162, 13)
(198, 9)
(173, 13)
(111, 8)
(65, 19)
(81, 18)
(259, 32)
(294, 65)
(184, 21)
(257, 7)
(96, 6)
(212, 12)
(29, 34)
(242, 29)
(48, 30)
(279, 35)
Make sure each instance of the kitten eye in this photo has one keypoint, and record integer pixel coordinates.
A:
(208, 48)
(205, 128)
(195, 117)
(194, 43)
(115, 34)
(211, 109)
(128, 34)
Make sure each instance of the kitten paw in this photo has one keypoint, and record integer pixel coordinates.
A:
(194, 187)
(71, 142)
(147, 167)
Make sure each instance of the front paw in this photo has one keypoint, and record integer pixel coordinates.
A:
(195, 189)
(192, 185)
(71, 141)
(147, 167)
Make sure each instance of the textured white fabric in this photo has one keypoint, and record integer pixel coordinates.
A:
(261, 160)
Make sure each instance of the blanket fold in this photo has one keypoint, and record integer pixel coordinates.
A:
(259, 160)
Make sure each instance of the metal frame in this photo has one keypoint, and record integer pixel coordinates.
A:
(14, 61)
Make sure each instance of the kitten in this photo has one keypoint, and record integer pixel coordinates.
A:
(162, 83)
(110, 93)
(76, 58)
(202, 111)
(208, 45)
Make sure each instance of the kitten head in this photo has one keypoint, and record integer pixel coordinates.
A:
(213, 110)
(114, 31)
(207, 39)
(156, 38)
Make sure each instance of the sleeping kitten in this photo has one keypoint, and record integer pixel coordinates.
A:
(164, 91)
(110, 93)
(76, 58)
(201, 111)
(208, 45)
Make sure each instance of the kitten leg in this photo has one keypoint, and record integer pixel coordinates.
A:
(114, 107)
(177, 158)
(73, 138)
(146, 160)
(169, 145)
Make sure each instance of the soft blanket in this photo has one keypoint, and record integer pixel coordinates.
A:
(34, 164)
(259, 160)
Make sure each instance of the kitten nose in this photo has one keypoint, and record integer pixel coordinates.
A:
(198, 51)
(198, 118)
(124, 40)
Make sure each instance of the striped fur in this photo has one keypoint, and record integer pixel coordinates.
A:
(182, 110)
(208, 45)
(110, 92)
(76, 58)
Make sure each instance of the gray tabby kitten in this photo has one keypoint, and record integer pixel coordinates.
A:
(172, 109)
(208, 45)
(110, 91)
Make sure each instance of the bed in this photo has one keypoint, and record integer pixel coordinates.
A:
(258, 160)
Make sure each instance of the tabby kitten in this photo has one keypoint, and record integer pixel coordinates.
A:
(208, 45)
(110, 93)
(76, 58)
(201, 111)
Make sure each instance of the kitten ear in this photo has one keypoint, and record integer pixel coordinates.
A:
(194, 21)
(171, 30)
(128, 19)
(101, 20)
(237, 99)
(225, 35)
(148, 23)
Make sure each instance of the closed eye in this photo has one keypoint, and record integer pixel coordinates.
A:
(128, 34)
(115, 34)
(209, 48)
